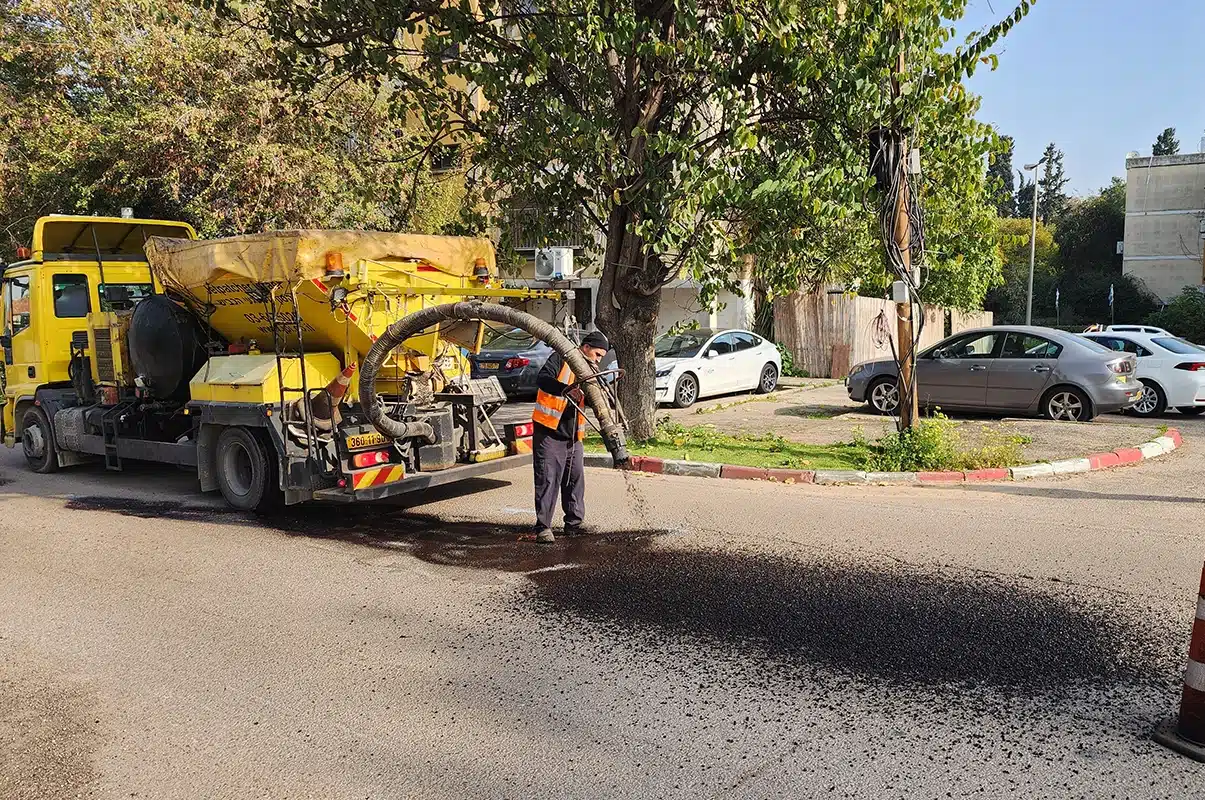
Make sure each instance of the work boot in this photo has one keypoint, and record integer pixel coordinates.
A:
(545, 536)
(580, 529)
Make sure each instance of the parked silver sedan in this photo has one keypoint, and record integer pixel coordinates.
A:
(1008, 370)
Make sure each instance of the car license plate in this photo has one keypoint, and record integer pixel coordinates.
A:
(488, 364)
(361, 440)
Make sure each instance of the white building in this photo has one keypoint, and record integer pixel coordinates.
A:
(1165, 222)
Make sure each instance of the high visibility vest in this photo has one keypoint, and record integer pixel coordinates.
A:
(550, 408)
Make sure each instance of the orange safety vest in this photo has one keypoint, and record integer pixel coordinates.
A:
(550, 408)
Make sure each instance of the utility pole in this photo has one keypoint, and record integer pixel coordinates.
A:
(902, 235)
(1033, 239)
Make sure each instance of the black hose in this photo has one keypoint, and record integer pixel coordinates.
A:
(404, 328)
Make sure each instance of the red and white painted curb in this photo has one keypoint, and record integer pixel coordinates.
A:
(1186, 734)
(834, 477)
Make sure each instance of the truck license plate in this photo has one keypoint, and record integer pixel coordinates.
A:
(362, 440)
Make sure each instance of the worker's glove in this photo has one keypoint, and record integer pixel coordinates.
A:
(575, 394)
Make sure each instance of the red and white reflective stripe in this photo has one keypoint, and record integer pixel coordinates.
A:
(1194, 675)
(320, 285)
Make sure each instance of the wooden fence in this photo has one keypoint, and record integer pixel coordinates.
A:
(827, 334)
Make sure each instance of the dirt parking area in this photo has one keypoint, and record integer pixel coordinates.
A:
(822, 413)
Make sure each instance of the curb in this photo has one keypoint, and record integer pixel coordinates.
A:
(845, 477)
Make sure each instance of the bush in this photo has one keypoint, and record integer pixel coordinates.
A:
(1184, 315)
(788, 363)
(934, 445)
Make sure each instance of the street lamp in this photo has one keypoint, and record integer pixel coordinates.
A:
(1033, 240)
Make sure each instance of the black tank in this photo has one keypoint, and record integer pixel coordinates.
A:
(167, 347)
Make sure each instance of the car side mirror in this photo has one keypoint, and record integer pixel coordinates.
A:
(712, 354)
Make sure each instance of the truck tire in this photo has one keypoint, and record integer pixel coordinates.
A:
(246, 472)
(37, 440)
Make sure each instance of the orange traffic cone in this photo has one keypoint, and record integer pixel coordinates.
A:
(324, 405)
(1186, 735)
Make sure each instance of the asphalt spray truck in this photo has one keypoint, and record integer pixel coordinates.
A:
(130, 340)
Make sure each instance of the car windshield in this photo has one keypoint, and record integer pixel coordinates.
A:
(1178, 345)
(682, 345)
(514, 339)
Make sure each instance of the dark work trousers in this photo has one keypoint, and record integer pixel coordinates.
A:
(558, 467)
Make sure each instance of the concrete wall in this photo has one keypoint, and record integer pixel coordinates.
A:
(1165, 205)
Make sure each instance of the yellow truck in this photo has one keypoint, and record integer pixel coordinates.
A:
(129, 339)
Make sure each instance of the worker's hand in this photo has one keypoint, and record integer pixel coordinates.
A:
(575, 394)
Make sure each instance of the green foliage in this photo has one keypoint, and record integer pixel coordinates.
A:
(156, 105)
(1088, 233)
(1001, 183)
(1052, 199)
(1008, 300)
(789, 370)
(1184, 315)
(1166, 144)
(934, 445)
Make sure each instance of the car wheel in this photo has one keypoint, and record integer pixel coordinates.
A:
(883, 397)
(769, 379)
(686, 391)
(1191, 411)
(246, 472)
(1068, 404)
(1151, 403)
(37, 441)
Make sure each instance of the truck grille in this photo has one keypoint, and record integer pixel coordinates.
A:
(103, 357)
(79, 340)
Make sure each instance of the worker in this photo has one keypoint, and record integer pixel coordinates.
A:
(556, 444)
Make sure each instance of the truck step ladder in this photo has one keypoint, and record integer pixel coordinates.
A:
(108, 428)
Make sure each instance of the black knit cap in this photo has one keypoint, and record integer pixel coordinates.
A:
(596, 339)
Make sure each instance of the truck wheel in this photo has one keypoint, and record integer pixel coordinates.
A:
(246, 471)
(37, 440)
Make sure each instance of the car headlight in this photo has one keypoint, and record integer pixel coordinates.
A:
(855, 369)
(664, 372)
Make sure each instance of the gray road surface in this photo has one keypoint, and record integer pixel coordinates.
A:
(716, 639)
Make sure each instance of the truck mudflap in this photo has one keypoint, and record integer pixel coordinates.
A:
(419, 481)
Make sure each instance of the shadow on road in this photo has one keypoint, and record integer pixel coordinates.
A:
(1053, 493)
(436, 540)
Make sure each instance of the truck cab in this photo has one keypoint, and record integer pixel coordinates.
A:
(76, 266)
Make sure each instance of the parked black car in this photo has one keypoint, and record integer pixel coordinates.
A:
(515, 357)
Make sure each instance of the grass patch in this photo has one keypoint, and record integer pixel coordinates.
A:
(768, 451)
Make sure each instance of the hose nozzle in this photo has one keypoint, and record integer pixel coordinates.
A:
(616, 444)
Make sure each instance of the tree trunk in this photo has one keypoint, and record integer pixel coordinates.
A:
(627, 314)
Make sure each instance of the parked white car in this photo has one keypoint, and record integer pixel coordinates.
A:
(1172, 370)
(705, 362)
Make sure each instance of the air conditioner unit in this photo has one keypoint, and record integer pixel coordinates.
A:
(554, 263)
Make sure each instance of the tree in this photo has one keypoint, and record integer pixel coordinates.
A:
(1184, 315)
(1008, 301)
(680, 129)
(1166, 144)
(1089, 231)
(1024, 197)
(1052, 199)
(109, 103)
(1001, 187)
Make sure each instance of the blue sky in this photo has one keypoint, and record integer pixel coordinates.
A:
(1097, 77)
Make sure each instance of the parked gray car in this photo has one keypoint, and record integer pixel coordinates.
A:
(1008, 370)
